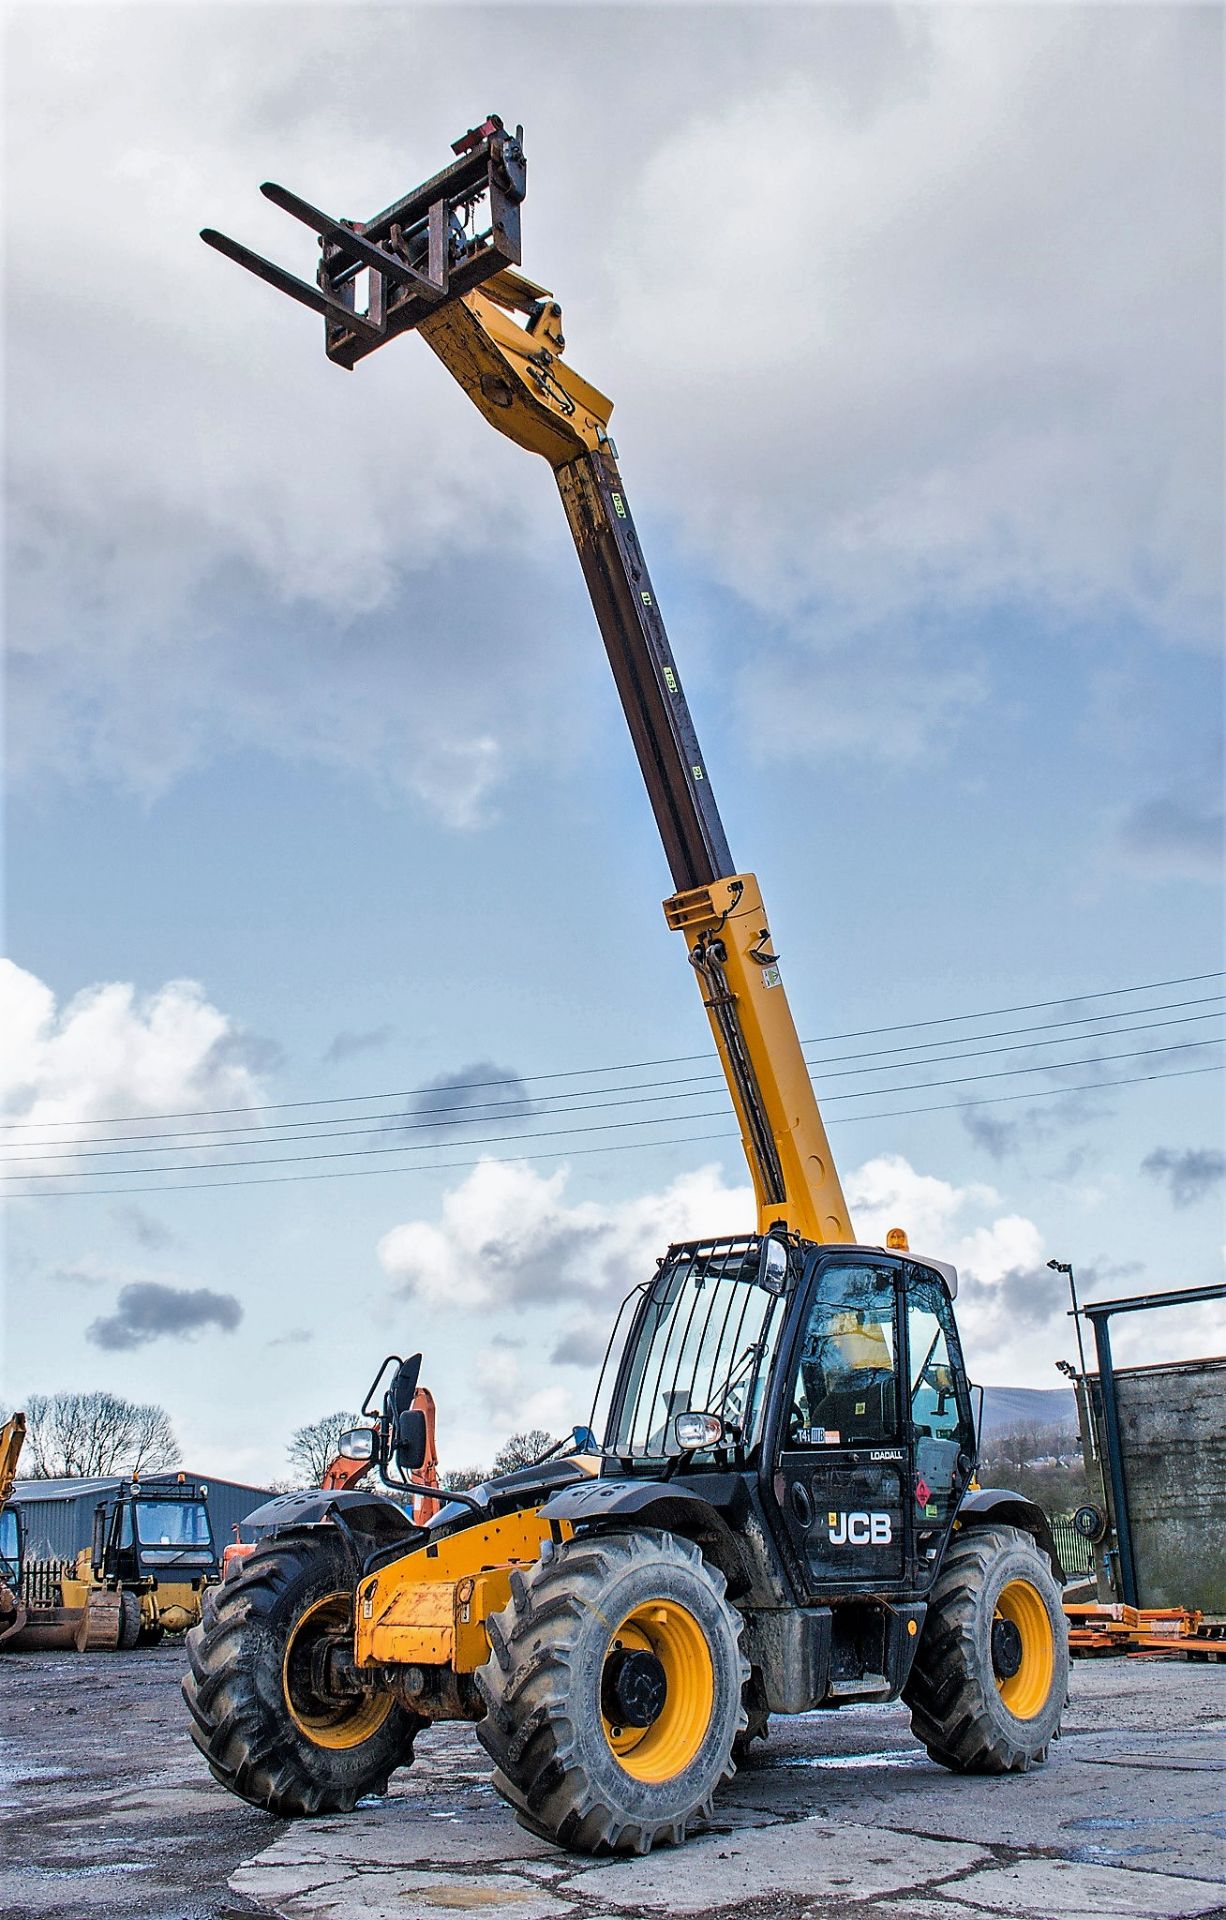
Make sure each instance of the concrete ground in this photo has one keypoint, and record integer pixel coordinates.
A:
(106, 1810)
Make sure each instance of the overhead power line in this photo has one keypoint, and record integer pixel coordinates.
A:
(625, 1146)
(486, 1113)
(613, 1126)
(627, 1066)
(266, 1130)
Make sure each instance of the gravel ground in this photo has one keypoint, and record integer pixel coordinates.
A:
(107, 1810)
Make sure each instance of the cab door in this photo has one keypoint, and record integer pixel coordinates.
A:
(839, 1478)
(942, 1431)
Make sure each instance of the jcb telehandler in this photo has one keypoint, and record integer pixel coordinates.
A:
(780, 1512)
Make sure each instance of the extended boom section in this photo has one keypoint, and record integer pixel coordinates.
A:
(432, 267)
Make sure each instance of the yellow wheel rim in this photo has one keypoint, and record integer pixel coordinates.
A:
(1025, 1692)
(335, 1724)
(667, 1746)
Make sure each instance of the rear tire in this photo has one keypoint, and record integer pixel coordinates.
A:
(990, 1677)
(613, 1692)
(266, 1734)
(757, 1725)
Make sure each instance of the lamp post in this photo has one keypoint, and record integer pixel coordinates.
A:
(1065, 1266)
(1087, 1427)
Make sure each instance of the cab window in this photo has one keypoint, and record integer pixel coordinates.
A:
(939, 1405)
(9, 1554)
(845, 1389)
(172, 1523)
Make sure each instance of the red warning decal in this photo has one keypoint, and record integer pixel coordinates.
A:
(922, 1491)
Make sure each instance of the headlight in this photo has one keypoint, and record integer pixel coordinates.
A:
(697, 1430)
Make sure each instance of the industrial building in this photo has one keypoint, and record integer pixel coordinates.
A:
(59, 1514)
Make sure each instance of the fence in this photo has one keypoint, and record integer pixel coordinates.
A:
(1076, 1553)
(40, 1581)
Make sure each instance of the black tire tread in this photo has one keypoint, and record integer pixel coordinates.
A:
(757, 1725)
(129, 1620)
(232, 1688)
(945, 1690)
(526, 1729)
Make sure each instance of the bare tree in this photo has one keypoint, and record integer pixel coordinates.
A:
(1042, 1463)
(459, 1479)
(91, 1435)
(523, 1450)
(313, 1448)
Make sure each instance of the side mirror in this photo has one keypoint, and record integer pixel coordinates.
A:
(402, 1433)
(409, 1441)
(773, 1264)
(359, 1443)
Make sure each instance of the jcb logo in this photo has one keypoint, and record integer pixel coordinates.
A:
(860, 1529)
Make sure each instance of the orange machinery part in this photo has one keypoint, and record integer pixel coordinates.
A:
(344, 1472)
(1096, 1628)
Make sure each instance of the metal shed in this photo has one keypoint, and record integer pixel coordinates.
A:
(59, 1514)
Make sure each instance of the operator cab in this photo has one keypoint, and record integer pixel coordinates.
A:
(148, 1534)
(830, 1375)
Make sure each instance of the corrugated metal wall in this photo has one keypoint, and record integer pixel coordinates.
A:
(58, 1528)
(54, 1527)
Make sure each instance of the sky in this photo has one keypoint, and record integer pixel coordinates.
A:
(318, 790)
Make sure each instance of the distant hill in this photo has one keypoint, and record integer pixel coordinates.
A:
(1007, 1409)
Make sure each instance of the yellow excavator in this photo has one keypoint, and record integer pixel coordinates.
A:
(779, 1511)
(144, 1574)
(12, 1558)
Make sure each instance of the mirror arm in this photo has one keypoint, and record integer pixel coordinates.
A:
(441, 1494)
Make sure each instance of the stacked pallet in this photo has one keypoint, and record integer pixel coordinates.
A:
(1173, 1631)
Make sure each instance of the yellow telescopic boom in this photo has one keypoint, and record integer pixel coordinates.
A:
(500, 336)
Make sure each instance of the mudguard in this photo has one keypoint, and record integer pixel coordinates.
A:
(1013, 1510)
(598, 1499)
(367, 1513)
(654, 1503)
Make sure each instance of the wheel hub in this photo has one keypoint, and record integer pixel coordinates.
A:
(1006, 1649)
(326, 1701)
(634, 1688)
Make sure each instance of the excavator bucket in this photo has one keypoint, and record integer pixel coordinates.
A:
(430, 248)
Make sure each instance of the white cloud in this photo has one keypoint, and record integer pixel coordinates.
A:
(507, 1238)
(949, 342)
(1009, 1303)
(946, 372)
(111, 1050)
(889, 1192)
(510, 1395)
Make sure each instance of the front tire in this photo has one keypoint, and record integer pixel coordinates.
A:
(259, 1716)
(129, 1620)
(613, 1692)
(990, 1677)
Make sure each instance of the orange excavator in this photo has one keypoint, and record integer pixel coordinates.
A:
(342, 1475)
